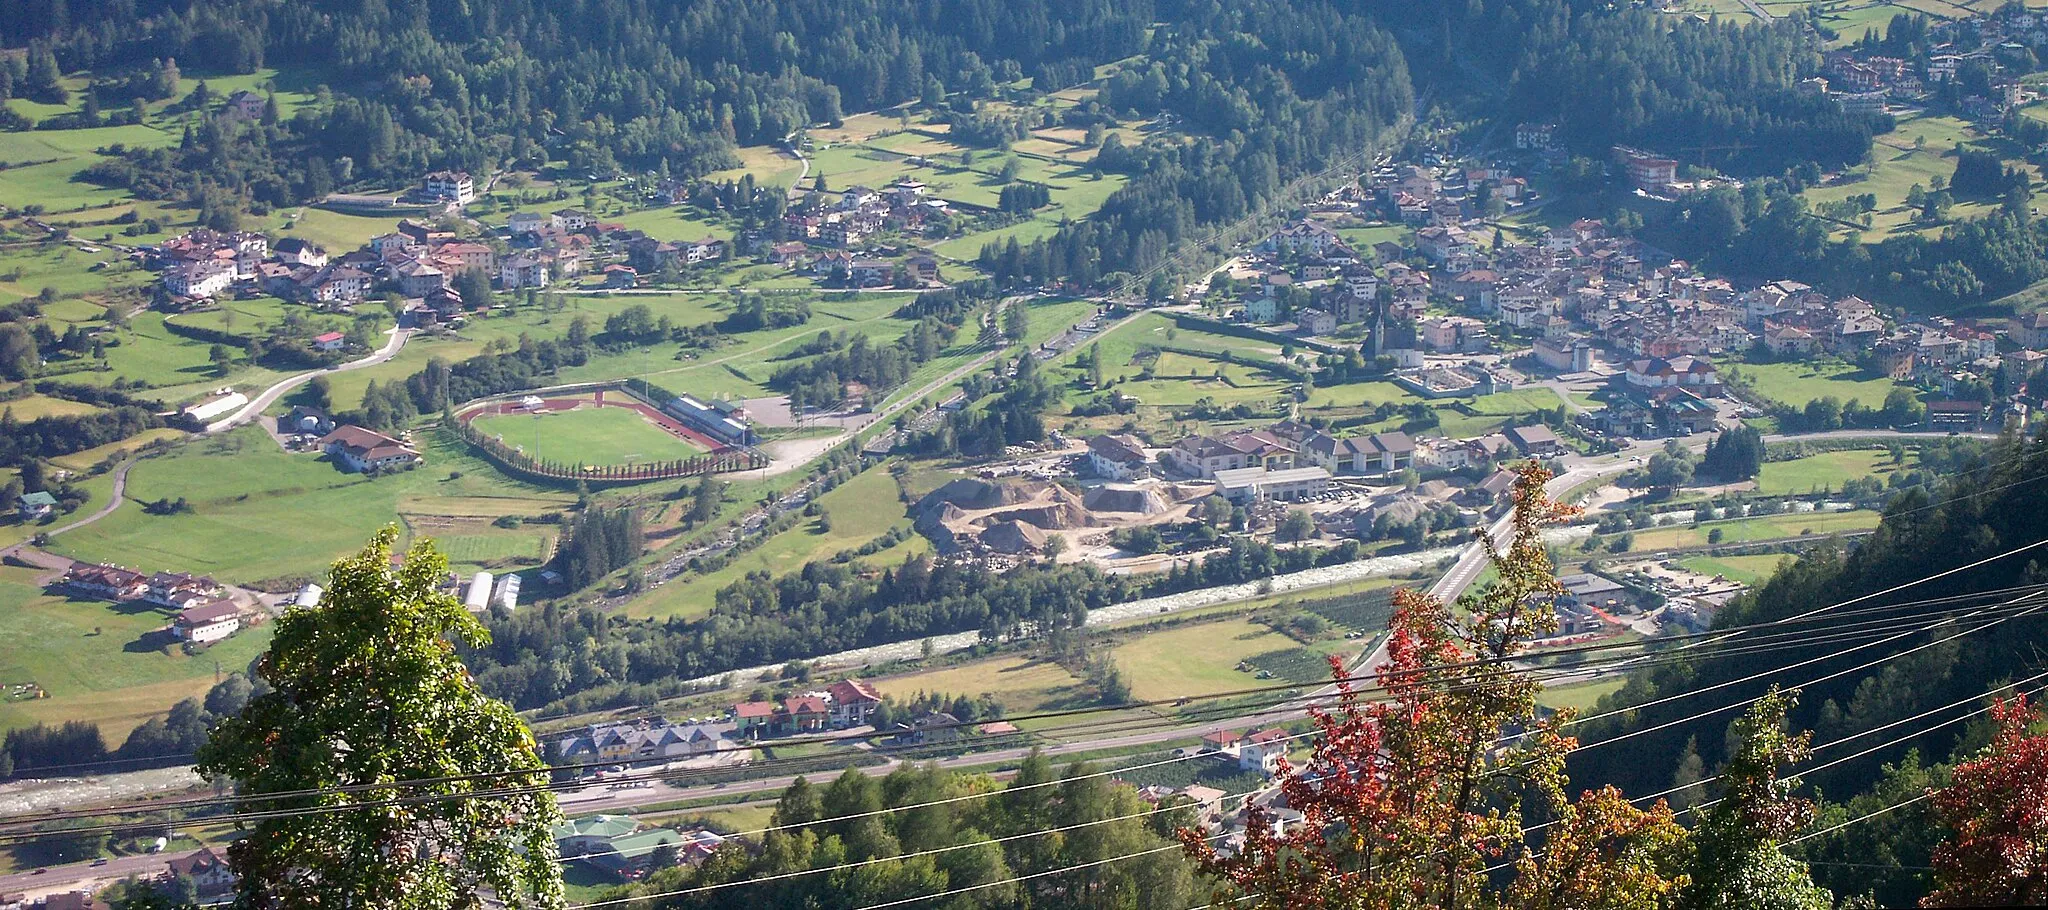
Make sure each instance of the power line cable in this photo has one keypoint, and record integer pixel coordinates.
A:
(1568, 670)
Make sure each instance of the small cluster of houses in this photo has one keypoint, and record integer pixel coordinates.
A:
(212, 881)
(643, 741)
(206, 263)
(1291, 461)
(204, 613)
(861, 213)
(846, 703)
(1999, 41)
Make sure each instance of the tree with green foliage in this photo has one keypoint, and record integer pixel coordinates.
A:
(1297, 525)
(475, 288)
(1736, 454)
(1738, 858)
(368, 692)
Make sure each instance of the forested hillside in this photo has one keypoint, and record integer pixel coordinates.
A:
(1609, 76)
(1275, 89)
(668, 84)
(1994, 508)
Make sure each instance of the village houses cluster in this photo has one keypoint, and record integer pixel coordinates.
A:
(830, 240)
(202, 610)
(834, 240)
(1582, 300)
(1995, 43)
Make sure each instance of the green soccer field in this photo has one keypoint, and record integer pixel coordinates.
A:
(593, 436)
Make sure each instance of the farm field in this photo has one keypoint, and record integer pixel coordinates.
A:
(737, 369)
(339, 232)
(1024, 684)
(1237, 384)
(58, 156)
(589, 435)
(1360, 395)
(1748, 570)
(34, 406)
(66, 269)
(769, 165)
(261, 513)
(1769, 527)
(97, 660)
(1200, 659)
(253, 318)
(1827, 470)
(82, 461)
(855, 512)
(1795, 384)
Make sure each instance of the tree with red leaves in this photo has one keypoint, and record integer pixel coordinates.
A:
(1996, 808)
(1413, 798)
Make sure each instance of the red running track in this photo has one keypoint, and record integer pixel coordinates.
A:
(672, 425)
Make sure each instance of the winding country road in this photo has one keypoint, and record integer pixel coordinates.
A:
(269, 396)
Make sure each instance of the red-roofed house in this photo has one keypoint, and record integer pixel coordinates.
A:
(208, 871)
(359, 450)
(750, 716)
(852, 701)
(1262, 749)
(1221, 740)
(806, 713)
(110, 582)
(331, 341)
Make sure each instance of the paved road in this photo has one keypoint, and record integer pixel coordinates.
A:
(256, 406)
(65, 878)
(1469, 565)
(1757, 10)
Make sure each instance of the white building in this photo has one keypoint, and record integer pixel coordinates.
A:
(449, 186)
(524, 270)
(1116, 457)
(1288, 484)
(208, 621)
(204, 278)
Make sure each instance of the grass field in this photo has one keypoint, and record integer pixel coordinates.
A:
(1580, 697)
(1795, 384)
(259, 512)
(81, 461)
(67, 270)
(589, 435)
(856, 512)
(1827, 470)
(34, 406)
(61, 154)
(95, 659)
(339, 232)
(1024, 684)
(1742, 530)
(1922, 148)
(1198, 659)
(1748, 570)
(1360, 394)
